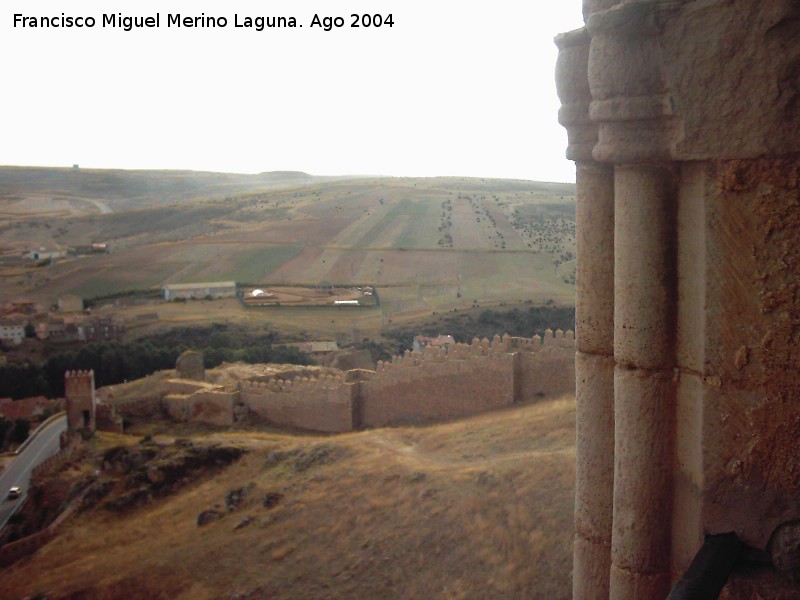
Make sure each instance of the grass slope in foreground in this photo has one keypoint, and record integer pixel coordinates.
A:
(474, 509)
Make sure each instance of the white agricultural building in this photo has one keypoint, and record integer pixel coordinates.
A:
(216, 289)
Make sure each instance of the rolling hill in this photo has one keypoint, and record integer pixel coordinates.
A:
(429, 244)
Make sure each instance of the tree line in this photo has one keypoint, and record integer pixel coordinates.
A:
(115, 362)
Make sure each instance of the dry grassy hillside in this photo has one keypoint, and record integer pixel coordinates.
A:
(480, 508)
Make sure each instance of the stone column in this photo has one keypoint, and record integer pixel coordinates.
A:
(643, 382)
(594, 325)
(632, 106)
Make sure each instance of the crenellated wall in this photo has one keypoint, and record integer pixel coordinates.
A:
(422, 386)
(211, 406)
(416, 387)
(324, 404)
(546, 373)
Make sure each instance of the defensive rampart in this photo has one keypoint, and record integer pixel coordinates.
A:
(416, 387)
(144, 407)
(429, 385)
(324, 404)
(422, 386)
(212, 406)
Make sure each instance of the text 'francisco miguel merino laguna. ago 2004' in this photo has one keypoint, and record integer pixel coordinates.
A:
(177, 20)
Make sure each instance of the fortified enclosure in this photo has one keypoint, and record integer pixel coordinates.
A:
(684, 122)
(417, 387)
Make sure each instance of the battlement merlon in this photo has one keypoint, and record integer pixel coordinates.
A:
(79, 383)
(481, 347)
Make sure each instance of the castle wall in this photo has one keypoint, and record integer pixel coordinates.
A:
(550, 372)
(177, 407)
(416, 392)
(214, 407)
(419, 387)
(141, 408)
(107, 418)
(324, 404)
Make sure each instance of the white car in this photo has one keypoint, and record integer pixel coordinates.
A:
(14, 493)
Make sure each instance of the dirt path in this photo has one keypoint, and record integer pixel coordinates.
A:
(385, 440)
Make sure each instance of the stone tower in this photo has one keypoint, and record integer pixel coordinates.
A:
(683, 119)
(80, 399)
(190, 366)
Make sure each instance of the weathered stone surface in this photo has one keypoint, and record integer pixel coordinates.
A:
(81, 403)
(594, 276)
(706, 281)
(644, 270)
(591, 568)
(643, 465)
(594, 485)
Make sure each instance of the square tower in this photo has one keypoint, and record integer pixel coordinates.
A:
(81, 402)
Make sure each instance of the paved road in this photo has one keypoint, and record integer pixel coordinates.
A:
(18, 473)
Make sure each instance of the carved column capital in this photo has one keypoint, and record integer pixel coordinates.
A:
(572, 84)
(631, 101)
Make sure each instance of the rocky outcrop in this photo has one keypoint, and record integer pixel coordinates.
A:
(136, 474)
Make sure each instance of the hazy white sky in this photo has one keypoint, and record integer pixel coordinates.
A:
(455, 87)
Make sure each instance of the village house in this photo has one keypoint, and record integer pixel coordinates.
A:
(101, 329)
(12, 330)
